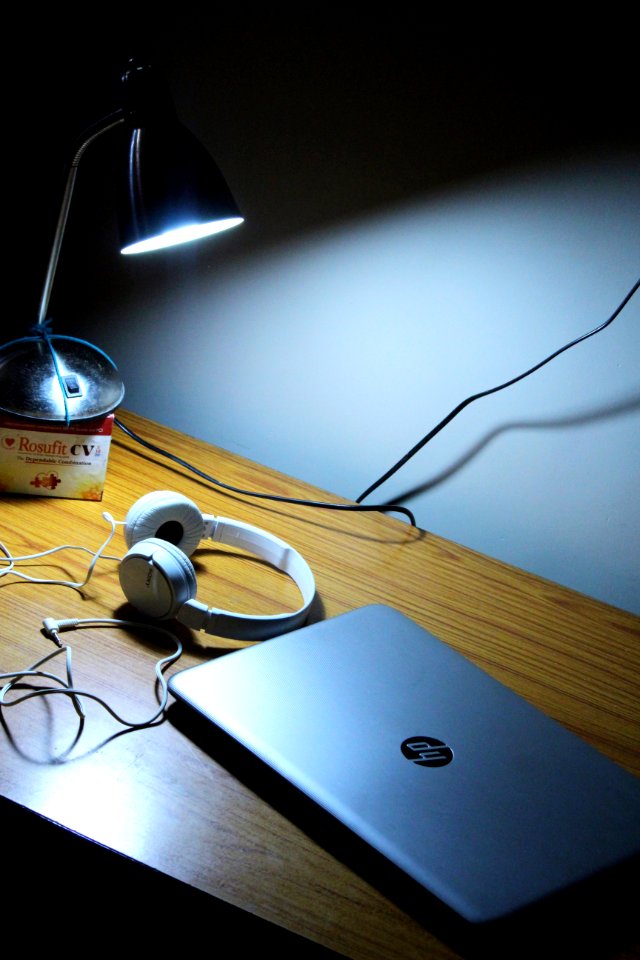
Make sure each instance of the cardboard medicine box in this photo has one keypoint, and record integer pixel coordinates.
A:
(48, 459)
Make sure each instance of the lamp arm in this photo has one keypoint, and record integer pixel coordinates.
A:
(91, 134)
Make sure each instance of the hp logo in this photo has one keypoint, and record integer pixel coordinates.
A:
(427, 752)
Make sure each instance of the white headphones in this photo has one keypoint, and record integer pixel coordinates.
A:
(163, 529)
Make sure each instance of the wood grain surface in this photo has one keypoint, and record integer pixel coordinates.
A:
(157, 795)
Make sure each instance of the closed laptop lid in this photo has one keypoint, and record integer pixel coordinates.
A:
(474, 793)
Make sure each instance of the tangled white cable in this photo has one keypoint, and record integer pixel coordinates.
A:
(67, 688)
(11, 560)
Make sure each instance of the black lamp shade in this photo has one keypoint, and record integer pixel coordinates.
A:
(171, 184)
(172, 191)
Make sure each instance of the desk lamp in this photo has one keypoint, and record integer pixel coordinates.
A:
(171, 191)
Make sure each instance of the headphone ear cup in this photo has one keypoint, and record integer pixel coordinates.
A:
(166, 516)
(157, 578)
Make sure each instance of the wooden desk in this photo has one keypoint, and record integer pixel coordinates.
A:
(155, 796)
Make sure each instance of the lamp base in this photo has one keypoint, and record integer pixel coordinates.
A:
(31, 387)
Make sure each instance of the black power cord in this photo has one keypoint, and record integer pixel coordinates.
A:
(384, 508)
(389, 507)
(485, 393)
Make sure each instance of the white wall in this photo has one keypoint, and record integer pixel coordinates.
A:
(429, 212)
(332, 355)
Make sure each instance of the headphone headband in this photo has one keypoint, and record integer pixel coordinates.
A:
(158, 578)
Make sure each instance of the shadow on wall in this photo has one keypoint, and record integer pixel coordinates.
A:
(584, 419)
(430, 210)
(330, 357)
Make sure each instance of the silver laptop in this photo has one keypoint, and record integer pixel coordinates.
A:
(468, 789)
